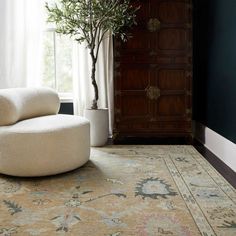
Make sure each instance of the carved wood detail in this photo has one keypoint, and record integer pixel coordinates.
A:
(153, 72)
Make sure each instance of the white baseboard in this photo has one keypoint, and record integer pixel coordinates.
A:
(224, 149)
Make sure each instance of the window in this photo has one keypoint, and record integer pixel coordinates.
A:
(57, 62)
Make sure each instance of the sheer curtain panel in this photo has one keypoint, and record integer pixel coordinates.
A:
(21, 24)
(82, 84)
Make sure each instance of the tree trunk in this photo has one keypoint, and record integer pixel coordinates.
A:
(94, 83)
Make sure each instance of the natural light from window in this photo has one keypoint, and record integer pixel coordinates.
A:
(57, 62)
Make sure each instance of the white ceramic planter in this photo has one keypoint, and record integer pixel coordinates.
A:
(99, 126)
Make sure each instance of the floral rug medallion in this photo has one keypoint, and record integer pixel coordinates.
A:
(123, 191)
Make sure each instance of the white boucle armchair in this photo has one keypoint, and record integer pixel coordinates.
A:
(34, 139)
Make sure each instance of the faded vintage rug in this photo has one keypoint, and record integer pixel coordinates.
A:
(123, 191)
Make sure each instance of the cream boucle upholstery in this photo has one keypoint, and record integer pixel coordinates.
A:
(22, 103)
(44, 145)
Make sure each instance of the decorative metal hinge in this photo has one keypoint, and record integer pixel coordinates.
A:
(115, 134)
(153, 93)
(153, 66)
(117, 53)
(189, 26)
(188, 111)
(117, 111)
(189, 74)
(188, 93)
(117, 92)
(190, 6)
(152, 119)
(153, 25)
(117, 120)
(117, 65)
(152, 53)
(190, 45)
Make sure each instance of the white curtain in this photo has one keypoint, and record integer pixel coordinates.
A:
(21, 24)
(83, 89)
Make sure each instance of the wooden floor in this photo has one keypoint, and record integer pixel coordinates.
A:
(219, 165)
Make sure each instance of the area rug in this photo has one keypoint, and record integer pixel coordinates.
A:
(123, 191)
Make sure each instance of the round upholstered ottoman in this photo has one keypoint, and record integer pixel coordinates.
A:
(43, 144)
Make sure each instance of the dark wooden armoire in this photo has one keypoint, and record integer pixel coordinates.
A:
(153, 72)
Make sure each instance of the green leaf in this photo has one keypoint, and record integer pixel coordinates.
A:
(83, 19)
(89, 21)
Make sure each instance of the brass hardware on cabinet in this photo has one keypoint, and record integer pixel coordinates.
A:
(115, 134)
(152, 119)
(153, 25)
(117, 65)
(153, 66)
(189, 26)
(117, 111)
(117, 53)
(190, 45)
(188, 93)
(188, 111)
(152, 53)
(153, 93)
(189, 74)
(117, 92)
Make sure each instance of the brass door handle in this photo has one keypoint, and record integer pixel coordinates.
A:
(153, 25)
(153, 93)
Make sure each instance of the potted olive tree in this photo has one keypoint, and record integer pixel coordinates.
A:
(90, 21)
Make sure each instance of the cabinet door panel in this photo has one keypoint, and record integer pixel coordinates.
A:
(173, 39)
(153, 72)
(171, 105)
(133, 105)
(141, 44)
(134, 78)
(173, 12)
(172, 79)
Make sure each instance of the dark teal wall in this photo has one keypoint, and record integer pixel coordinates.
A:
(214, 73)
